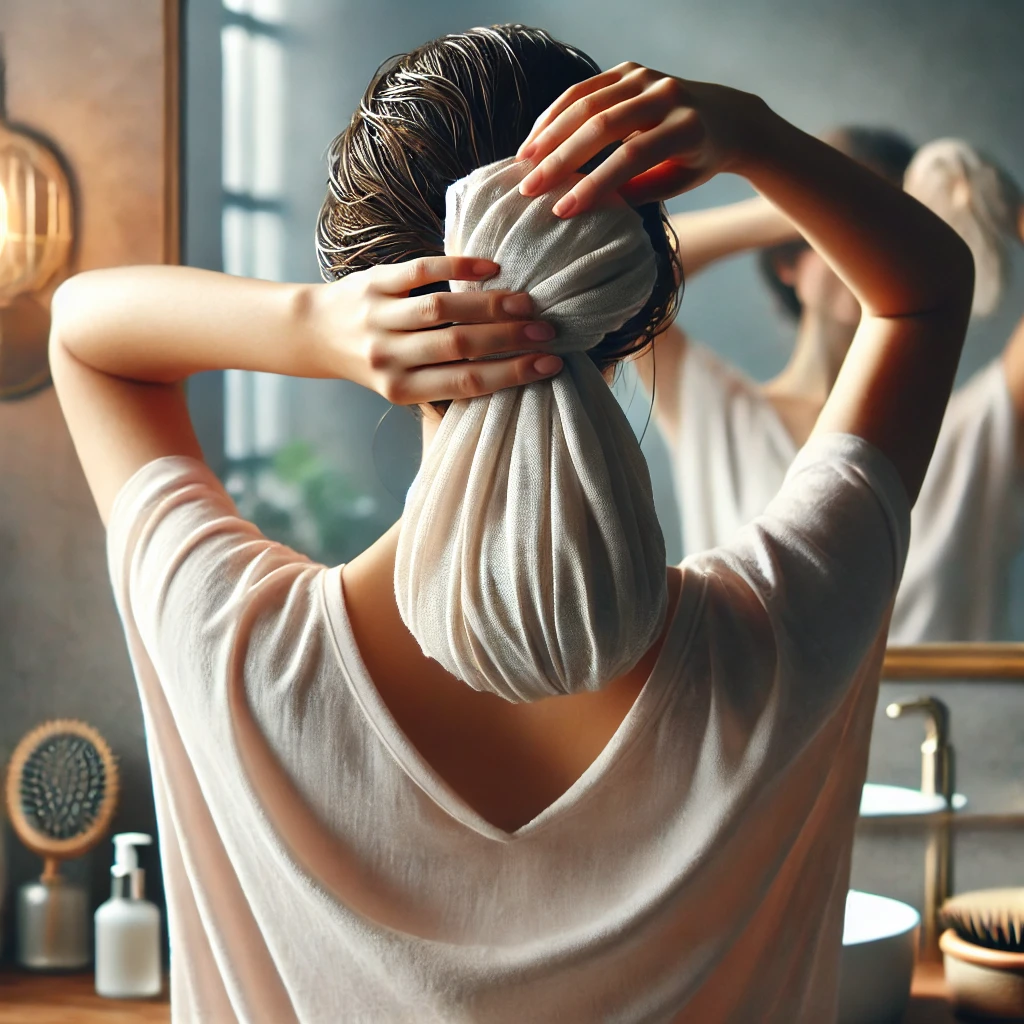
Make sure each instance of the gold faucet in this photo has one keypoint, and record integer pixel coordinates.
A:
(937, 775)
(937, 779)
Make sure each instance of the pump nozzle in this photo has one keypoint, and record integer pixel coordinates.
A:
(126, 860)
(129, 878)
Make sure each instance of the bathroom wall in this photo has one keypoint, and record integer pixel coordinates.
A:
(926, 67)
(91, 77)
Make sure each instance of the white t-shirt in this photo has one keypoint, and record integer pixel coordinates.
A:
(731, 453)
(318, 870)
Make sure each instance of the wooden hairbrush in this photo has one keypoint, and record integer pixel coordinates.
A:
(993, 918)
(983, 948)
(62, 789)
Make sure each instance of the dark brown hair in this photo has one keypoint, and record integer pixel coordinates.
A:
(885, 152)
(432, 116)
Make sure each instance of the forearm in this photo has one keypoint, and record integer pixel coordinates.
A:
(895, 256)
(162, 324)
(706, 236)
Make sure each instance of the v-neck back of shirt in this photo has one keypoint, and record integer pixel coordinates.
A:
(667, 668)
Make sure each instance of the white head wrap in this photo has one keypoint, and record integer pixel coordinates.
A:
(978, 200)
(530, 561)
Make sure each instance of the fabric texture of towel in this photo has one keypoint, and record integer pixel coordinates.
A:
(979, 201)
(531, 561)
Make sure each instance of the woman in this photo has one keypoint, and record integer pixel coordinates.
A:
(348, 830)
(733, 439)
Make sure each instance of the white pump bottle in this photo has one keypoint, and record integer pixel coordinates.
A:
(128, 928)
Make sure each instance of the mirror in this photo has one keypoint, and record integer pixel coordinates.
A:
(270, 82)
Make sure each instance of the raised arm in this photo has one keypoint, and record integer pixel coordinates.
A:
(707, 236)
(911, 273)
(123, 339)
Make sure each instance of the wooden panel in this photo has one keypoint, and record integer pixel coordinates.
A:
(71, 999)
(91, 76)
(1001, 662)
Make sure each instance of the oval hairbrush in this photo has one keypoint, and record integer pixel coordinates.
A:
(62, 790)
(983, 947)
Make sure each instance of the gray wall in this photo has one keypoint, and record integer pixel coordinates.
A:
(927, 67)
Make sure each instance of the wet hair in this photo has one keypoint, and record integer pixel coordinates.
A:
(883, 151)
(429, 118)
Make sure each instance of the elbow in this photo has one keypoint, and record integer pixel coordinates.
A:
(58, 318)
(62, 312)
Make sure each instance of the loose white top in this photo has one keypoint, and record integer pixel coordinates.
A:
(730, 456)
(318, 870)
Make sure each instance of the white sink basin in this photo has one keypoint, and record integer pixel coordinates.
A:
(879, 942)
(878, 801)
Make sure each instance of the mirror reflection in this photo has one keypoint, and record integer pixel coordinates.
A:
(732, 438)
(737, 381)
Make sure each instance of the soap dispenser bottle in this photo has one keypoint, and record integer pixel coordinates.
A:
(128, 928)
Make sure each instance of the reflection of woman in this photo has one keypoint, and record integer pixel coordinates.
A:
(733, 439)
(348, 830)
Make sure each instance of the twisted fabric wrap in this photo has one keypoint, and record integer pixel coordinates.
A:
(979, 201)
(530, 561)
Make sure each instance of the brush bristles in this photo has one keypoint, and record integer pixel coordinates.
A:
(993, 918)
(63, 784)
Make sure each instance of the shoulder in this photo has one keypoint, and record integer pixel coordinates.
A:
(824, 559)
(190, 574)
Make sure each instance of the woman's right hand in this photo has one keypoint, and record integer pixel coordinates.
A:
(910, 272)
(425, 348)
(675, 135)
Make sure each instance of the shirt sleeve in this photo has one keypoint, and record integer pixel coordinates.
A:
(975, 460)
(809, 584)
(188, 574)
(968, 521)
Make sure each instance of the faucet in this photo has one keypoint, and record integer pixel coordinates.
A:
(937, 778)
(937, 774)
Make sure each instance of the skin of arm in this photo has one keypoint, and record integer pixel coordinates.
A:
(123, 340)
(705, 237)
(911, 273)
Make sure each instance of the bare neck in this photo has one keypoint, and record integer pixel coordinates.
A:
(821, 346)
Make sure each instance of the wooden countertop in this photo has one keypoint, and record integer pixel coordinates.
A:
(71, 999)
(929, 997)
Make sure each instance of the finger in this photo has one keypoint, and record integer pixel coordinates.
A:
(460, 342)
(599, 116)
(471, 380)
(634, 115)
(679, 141)
(572, 95)
(402, 278)
(414, 313)
(632, 158)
